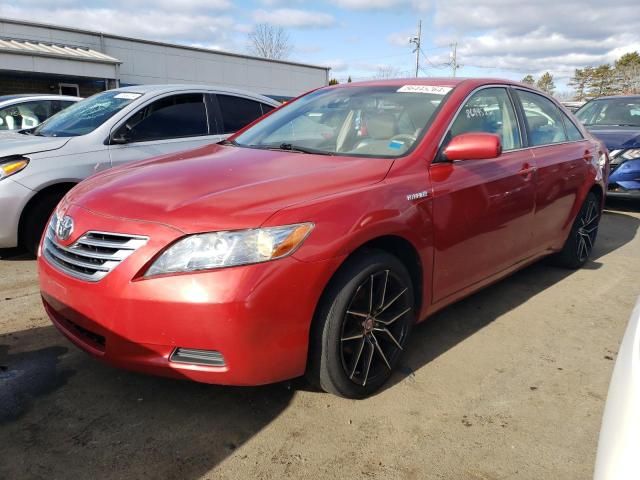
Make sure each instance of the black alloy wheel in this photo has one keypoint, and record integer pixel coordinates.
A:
(362, 325)
(372, 329)
(582, 238)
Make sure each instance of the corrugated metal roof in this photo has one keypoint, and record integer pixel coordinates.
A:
(40, 49)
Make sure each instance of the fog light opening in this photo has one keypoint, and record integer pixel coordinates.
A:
(210, 358)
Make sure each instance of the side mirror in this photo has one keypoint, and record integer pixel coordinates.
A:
(120, 139)
(473, 146)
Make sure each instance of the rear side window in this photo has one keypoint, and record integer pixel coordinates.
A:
(544, 119)
(573, 134)
(489, 110)
(237, 112)
(176, 116)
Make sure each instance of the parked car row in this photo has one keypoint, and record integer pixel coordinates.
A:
(310, 242)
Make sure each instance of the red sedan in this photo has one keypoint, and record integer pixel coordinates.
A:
(312, 241)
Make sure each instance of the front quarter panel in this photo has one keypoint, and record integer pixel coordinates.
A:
(346, 221)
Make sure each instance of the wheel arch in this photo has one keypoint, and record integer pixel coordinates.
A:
(60, 188)
(393, 244)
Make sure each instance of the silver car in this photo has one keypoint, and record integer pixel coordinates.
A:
(27, 111)
(39, 165)
(618, 455)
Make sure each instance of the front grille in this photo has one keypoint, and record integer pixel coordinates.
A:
(93, 255)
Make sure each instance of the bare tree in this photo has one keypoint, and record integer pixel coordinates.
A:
(269, 42)
(387, 71)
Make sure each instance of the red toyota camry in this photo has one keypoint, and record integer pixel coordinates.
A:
(312, 241)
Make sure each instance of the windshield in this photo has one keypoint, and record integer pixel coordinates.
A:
(611, 111)
(87, 115)
(380, 121)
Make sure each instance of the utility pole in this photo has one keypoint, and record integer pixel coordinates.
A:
(416, 40)
(454, 58)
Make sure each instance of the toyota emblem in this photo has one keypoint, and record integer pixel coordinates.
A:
(64, 229)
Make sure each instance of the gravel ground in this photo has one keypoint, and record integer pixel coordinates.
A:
(509, 383)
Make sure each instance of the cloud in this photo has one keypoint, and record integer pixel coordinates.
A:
(367, 4)
(534, 37)
(293, 18)
(153, 24)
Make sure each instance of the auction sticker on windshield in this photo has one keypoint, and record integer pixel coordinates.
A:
(128, 96)
(424, 89)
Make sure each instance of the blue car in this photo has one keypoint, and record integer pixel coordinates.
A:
(616, 121)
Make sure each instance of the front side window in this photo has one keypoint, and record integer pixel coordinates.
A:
(377, 121)
(544, 119)
(237, 112)
(621, 111)
(85, 116)
(176, 116)
(489, 111)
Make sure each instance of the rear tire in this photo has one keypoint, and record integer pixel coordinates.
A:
(582, 238)
(361, 326)
(35, 221)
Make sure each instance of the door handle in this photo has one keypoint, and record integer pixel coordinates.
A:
(527, 171)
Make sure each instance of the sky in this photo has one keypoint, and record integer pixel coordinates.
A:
(363, 38)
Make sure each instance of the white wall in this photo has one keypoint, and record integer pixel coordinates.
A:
(150, 62)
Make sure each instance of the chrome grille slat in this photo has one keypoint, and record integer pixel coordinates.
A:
(66, 257)
(130, 243)
(92, 256)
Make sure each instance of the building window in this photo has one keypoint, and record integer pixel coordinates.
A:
(69, 89)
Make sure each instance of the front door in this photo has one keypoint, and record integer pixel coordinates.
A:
(482, 209)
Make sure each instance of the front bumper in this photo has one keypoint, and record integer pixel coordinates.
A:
(13, 198)
(624, 181)
(257, 316)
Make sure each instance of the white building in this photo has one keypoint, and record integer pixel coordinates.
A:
(38, 58)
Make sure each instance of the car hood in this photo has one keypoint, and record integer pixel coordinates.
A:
(616, 138)
(221, 188)
(12, 143)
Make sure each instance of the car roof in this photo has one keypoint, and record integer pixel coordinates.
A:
(435, 81)
(159, 89)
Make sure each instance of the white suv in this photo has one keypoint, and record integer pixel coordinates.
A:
(39, 165)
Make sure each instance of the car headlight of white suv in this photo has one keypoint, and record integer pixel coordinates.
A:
(12, 165)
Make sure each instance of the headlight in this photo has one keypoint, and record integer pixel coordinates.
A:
(227, 249)
(630, 154)
(9, 166)
(618, 155)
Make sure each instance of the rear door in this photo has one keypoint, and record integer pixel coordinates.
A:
(170, 124)
(236, 112)
(482, 209)
(562, 156)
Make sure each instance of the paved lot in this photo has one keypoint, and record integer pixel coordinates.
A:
(509, 383)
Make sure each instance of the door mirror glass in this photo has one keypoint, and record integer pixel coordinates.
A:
(120, 138)
(473, 146)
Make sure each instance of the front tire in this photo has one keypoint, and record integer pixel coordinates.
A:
(582, 238)
(362, 325)
(35, 221)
